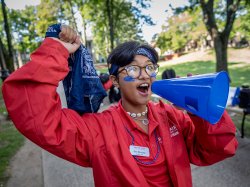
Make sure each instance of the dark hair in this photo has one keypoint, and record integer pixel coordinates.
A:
(168, 74)
(124, 53)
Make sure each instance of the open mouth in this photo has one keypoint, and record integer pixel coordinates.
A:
(143, 88)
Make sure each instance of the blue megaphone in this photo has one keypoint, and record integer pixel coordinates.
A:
(203, 95)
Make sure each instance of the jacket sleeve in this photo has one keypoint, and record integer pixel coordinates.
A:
(207, 143)
(35, 108)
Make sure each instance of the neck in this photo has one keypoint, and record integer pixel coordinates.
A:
(136, 113)
(133, 108)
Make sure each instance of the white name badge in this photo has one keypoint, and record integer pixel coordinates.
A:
(139, 151)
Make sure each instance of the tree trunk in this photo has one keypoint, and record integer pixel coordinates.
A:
(73, 17)
(220, 38)
(19, 59)
(9, 60)
(2, 59)
(109, 4)
(220, 46)
(84, 32)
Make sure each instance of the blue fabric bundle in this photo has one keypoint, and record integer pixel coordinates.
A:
(83, 88)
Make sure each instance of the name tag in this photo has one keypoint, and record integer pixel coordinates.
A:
(139, 151)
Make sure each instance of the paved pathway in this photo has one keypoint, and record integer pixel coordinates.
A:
(34, 167)
(231, 172)
(26, 167)
(60, 173)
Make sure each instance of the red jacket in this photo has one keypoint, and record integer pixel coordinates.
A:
(107, 85)
(97, 140)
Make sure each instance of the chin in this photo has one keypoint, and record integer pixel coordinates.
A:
(144, 101)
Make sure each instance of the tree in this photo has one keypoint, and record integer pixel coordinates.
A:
(56, 11)
(2, 53)
(219, 17)
(9, 57)
(2, 58)
(23, 25)
(48, 13)
(67, 11)
(180, 29)
(164, 41)
(113, 22)
(242, 26)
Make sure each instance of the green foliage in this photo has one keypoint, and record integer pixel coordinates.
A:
(221, 9)
(181, 29)
(23, 27)
(164, 41)
(242, 25)
(28, 26)
(47, 14)
(126, 22)
(2, 31)
(218, 17)
(51, 12)
(1, 21)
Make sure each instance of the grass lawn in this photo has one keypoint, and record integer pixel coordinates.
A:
(239, 72)
(10, 141)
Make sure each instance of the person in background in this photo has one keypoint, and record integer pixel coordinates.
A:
(113, 92)
(168, 74)
(133, 143)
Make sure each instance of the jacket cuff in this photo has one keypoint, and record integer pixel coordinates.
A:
(55, 45)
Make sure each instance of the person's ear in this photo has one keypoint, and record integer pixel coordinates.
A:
(114, 80)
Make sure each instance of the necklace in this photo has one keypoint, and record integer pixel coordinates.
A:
(134, 115)
(144, 121)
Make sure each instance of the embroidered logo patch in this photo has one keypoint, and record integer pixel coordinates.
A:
(160, 140)
(51, 29)
(173, 131)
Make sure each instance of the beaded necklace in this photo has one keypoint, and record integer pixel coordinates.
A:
(157, 153)
(135, 116)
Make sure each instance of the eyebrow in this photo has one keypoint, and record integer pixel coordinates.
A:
(144, 62)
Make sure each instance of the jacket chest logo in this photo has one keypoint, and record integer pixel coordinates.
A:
(173, 131)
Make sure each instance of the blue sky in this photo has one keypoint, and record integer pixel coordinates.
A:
(159, 15)
(20, 4)
(157, 12)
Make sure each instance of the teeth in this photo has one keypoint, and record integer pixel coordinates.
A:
(144, 85)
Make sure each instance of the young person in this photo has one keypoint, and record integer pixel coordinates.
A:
(134, 143)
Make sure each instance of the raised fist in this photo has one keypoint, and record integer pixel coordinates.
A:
(69, 38)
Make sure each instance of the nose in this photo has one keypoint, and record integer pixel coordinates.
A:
(143, 73)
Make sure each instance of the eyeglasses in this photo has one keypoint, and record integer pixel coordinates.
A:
(134, 71)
